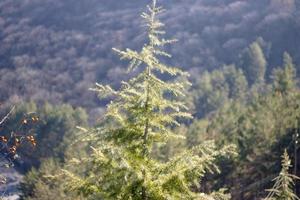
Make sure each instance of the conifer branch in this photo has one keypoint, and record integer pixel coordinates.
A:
(283, 187)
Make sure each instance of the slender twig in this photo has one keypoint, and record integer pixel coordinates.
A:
(7, 115)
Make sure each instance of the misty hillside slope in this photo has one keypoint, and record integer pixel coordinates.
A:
(55, 50)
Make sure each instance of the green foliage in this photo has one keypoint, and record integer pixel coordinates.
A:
(56, 134)
(42, 185)
(142, 114)
(284, 184)
(254, 63)
(53, 132)
(58, 130)
(284, 79)
(196, 133)
(139, 151)
(261, 127)
(9, 148)
(211, 90)
(270, 120)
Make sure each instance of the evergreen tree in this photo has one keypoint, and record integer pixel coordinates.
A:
(254, 63)
(269, 119)
(54, 130)
(213, 90)
(283, 187)
(210, 92)
(55, 134)
(142, 114)
(237, 82)
(285, 79)
(40, 184)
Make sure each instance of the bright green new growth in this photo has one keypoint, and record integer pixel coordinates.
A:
(284, 184)
(142, 113)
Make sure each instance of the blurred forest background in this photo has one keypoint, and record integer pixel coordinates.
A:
(243, 57)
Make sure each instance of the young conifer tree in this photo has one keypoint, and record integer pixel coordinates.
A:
(141, 114)
(284, 184)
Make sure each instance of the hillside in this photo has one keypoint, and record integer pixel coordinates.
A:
(157, 136)
(55, 50)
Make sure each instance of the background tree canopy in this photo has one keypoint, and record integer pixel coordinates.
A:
(55, 57)
(243, 57)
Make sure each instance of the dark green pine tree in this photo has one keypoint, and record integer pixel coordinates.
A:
(283, 187)
(143, 113)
